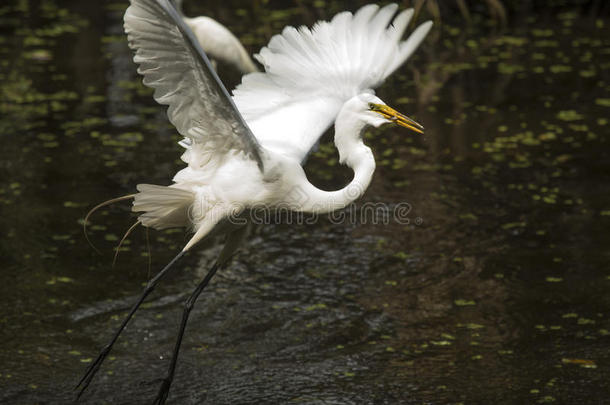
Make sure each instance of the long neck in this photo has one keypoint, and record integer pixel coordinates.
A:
(356, 155)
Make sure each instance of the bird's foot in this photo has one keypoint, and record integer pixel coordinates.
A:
(91, 371)
(163, 391)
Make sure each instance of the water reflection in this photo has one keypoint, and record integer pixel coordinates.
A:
(499, 293)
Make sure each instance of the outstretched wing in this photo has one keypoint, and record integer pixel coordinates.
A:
(174, 65)
(311, 73)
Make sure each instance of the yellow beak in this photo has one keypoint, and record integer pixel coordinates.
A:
(394, 116)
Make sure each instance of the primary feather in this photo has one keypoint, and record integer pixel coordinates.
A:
(174, 65)
(310, 73)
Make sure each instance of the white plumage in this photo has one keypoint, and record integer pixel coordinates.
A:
(246, 152)
(311, 73)
(218, 42)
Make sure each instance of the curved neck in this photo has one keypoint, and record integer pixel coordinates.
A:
(354, 153)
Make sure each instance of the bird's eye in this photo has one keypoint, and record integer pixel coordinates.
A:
(371, 106)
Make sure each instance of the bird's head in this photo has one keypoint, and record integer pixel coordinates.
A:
(358, 112)
(373, 111)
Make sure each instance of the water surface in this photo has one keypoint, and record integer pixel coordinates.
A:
(492, 289)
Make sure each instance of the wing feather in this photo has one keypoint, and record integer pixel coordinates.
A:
(311, 73)
(399, 25)
(174, 65)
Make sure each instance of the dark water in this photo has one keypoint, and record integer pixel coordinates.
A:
(495, 291)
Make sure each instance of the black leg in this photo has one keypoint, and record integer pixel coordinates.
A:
(94, 367)
(188, 306)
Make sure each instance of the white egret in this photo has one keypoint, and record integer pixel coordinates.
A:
(218, 42)
(247, 151)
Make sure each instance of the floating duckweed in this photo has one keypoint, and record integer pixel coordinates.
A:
(71, 204)
(580, 362)
(546, 43)
(604, 102)
(511, 40)
(440, 343)
(542, 32)
(512, 225)
(94, 99)
(579, 128)
(38, 55)
(549, 199)
(509, 69)
(54, 280)
(402, 255)
(560, 69)
(464, 303)
(569, 115)
(471, 326)
(547, 136)
(538, 56)
(315, 307)
(563, 158)
(403, 100)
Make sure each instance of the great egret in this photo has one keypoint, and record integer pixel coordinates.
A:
(218, 42)
(247, 151)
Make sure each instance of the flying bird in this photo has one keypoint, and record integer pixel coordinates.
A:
(247, 151)
(218, 42)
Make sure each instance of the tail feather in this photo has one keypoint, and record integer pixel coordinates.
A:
(163, 207)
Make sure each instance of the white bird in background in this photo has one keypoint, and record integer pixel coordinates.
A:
(218, 42)
(246, 151)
